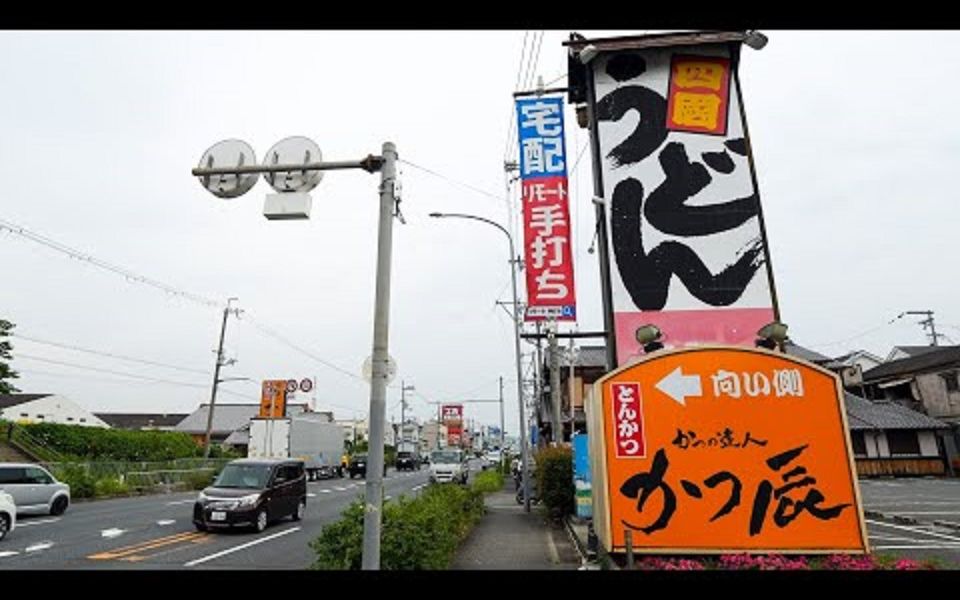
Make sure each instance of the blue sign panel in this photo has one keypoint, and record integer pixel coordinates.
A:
(581, 476)
(542, 148)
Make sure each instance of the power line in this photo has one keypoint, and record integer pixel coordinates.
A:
(107, 354)
(451, 180)
(110, 371)
(859, 335)
(262, 328)
(103, 379)
(131, 276)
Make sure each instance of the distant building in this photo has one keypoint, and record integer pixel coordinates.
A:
(928, 381)
(433, 435)
(227, 418)
(890, 439)
(142, 421)
(900, 352)
(46, 408)
(859, 358)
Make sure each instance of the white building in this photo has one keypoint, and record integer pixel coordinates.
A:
(46, 408)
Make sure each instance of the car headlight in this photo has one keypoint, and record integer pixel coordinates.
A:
(248, 501)
(201, 497)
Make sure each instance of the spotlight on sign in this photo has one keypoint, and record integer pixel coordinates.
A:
(649, 337)
(772, 335)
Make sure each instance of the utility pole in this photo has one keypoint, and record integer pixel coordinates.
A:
(378, 381)
(216, 377)
(502, 432)
(555, 382)
(573, 357)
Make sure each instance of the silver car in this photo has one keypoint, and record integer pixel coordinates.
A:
(34, 489)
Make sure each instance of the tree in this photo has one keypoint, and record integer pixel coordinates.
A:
(5, 371)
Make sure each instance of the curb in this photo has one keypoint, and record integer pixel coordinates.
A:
(948, 525)
(902, 520)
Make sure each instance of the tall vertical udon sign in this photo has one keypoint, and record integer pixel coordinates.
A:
(686, 246)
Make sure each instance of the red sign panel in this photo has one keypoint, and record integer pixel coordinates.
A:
(628, 420)
(699, 94)
(547, 255)
(452, 414)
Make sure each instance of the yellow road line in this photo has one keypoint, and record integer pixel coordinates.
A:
(148, 545)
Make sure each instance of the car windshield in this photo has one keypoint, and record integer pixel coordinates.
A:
(445, 457)
(360, 458)
(404, 455)
(243, 476)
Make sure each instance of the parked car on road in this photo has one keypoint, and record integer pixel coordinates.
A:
(34, 489)
(358, 465)
(8, 514)
(408, 461)
(253, 492)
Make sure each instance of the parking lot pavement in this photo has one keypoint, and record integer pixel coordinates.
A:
(916, 518)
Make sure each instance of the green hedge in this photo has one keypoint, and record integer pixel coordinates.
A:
(419, 533)
(488, 481)
(95, 443)
(554, 475)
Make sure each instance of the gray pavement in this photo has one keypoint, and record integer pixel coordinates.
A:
(915, 518)
(156, 532)
(507, 537)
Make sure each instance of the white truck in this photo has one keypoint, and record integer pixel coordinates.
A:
(449, 465)
(309, 437)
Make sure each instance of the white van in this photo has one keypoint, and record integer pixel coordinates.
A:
(34, 489)
(8, 514)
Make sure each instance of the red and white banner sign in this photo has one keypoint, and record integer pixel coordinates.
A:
(628, 420)
(547, 256)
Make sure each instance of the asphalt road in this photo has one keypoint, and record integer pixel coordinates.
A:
(156, 532)
(935, 505)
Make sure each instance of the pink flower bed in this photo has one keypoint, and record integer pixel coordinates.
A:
(777, 562)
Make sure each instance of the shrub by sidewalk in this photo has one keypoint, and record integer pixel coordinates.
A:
(555, 481)
(418, 533)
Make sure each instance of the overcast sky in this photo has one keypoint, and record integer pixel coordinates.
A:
(853, 135)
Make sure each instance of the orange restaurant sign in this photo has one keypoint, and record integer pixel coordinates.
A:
(724, 449)
(273, 399)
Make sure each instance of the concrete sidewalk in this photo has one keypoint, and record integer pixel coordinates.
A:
(509, 538)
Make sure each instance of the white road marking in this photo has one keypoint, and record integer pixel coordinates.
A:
(915, 530)
(166, 522)
(894, 538)
(311, 495)
(922, 547)
(182, 502)
(326, 491)
(29, 523)
(240, 547)
(8, 553)
(421, 486)
(340, 489)
(387, 497)
(40, 546)
(112, 533)
(927, 512)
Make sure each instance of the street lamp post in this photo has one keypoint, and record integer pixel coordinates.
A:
(237, 179)
(516, 341)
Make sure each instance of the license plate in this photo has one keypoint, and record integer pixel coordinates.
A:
(218, 516)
